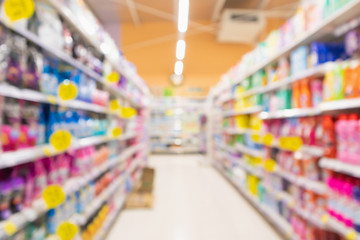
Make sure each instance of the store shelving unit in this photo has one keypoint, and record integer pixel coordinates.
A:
(176, 126)
(134, 141)
(229, 160)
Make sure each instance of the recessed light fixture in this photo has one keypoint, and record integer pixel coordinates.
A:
(183, 16)
(179, 66)
(180, 49)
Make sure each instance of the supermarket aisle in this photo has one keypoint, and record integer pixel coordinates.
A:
(192, 202)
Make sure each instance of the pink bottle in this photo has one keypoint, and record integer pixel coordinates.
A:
(40, 179)
(52, 171)
(342, 137)
(353, 134)
(63, 164)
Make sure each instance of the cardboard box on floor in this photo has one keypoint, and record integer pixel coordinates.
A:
(142, 194)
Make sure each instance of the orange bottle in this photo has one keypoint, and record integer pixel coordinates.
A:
(296, 95)
(305, 94)
(351, 77)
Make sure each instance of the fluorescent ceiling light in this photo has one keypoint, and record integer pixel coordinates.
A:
(180, 49)
(183, 15)
(179, 66)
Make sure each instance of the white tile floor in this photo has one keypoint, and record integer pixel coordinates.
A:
(192, 202)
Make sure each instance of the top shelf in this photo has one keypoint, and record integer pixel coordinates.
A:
(341, 16)
(73, 62)
(70, 17)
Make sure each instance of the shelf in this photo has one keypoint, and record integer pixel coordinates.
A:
(39, 208)
(13, 158)
(339, 166)
(234, 131)
(178, 150)
(274, 218)
(71, 61)
(70, 17)
(315, 71)
(340, 105)
(289, 113)
(342, 229)
(249, 151)
(258, 172)
(112, 217)
(316, 186)
(341, 16)
(35, 96)
(311, 150)
(249, 110)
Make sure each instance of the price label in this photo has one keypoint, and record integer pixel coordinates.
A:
(51, 99)
(113, 77)
(19, 9)
(53, 196)
(290, 143)
(67, 91)
(169, 112)
(114, 105)
(116, 132)
(67, 231)
(10, 228)
(60, 140)
(256, 138)
(128, 112)
(270, 165)
(325, 218)
(268, 139)
(351, 235)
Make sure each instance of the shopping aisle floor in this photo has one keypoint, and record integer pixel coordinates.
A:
(192, 202)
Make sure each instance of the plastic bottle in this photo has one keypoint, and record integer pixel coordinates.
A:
(341, 127)
(316, 92)
(5, 199)
(329, 139)
(17, 197)
(40, 180)
(296, 95)
(338, 82)
(353, 139)
(305, 95)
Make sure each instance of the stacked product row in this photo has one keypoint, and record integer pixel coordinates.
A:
(66, 122)
(291, 125)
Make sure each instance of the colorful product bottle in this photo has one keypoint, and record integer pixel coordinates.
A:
(342, 137)
(329, 138)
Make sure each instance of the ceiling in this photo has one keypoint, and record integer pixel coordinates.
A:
(119, 11)
(149, 34)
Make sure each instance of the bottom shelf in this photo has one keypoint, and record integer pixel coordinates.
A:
(273, 218)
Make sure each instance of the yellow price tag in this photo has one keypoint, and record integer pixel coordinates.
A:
(53, 196)
(351, 235)
(291, 143)
(256, 138)
(268, 139)
(19, 9)
(67, 231)
(51, 99)
(113, 77)
(169, 112)
(114, 105)
(128, 112)
(10, 228)
(47, 151)
(117, 132)
(67, 91)
(270, 165)
(60, 140)
(325, 218)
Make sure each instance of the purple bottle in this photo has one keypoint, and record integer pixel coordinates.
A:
(5, 198)
(17, 196)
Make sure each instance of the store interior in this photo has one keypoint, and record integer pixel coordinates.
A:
(179, 120)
